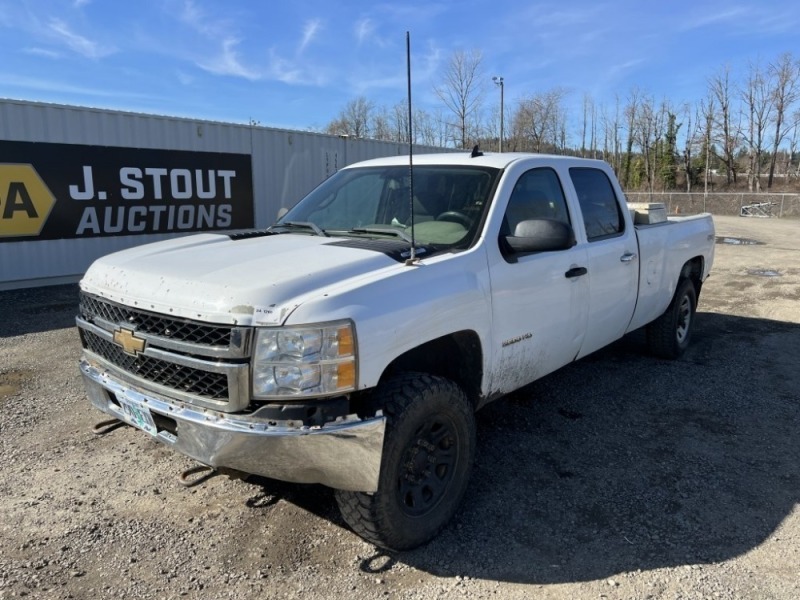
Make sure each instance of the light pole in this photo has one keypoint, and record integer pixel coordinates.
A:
(499, 81)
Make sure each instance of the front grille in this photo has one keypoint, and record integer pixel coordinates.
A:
(184, 379)
(154, 324)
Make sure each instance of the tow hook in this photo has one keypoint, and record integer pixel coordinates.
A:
(107, 426)
(196, 475)
(201, 473)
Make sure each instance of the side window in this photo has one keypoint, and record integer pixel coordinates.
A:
(601, 212)
(537, 195)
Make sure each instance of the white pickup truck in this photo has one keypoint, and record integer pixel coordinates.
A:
(325, 350)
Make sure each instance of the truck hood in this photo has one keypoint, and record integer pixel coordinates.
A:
(213, 278)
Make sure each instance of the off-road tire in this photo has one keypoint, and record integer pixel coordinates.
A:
(669, 335)
(428, 452)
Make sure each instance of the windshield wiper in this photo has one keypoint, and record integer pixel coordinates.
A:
(383, 231)
(307, 225)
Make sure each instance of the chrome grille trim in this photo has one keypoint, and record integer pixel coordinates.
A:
(214, 384)
(185, 336)
(202, 364)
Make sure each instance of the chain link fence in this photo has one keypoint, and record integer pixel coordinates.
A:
(776, 205)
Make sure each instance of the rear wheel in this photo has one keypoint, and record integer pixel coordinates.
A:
(427, 458)
(670, 334)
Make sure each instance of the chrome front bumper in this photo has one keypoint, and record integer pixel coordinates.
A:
(345, 454)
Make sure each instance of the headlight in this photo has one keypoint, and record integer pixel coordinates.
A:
(304, 361)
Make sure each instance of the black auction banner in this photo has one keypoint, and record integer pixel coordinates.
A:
(62, 191)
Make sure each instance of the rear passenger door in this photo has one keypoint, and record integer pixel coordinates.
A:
(613, 264)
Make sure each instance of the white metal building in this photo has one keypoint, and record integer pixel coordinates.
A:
(77, 183)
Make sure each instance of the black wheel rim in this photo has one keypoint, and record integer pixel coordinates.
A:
(684, 319)
(429, 463)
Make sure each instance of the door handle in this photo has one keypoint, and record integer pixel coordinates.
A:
(628, 257)
(576, 272)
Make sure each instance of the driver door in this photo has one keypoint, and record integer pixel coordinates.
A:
(539, 300)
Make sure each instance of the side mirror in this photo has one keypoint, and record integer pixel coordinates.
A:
(541, 235)
(282, 211)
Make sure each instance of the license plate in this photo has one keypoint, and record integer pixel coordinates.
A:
(137, 414)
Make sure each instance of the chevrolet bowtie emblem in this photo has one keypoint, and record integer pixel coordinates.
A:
(129, 342)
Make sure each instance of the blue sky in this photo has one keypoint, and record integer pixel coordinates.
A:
(295, 64)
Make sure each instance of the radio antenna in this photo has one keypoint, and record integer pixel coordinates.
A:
(412, 256)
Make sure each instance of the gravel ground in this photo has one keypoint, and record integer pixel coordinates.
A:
(621, 476)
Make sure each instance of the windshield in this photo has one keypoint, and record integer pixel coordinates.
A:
(449, 204)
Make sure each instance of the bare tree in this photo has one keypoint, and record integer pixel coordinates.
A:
(649, 127)
(757, 102)
(589, 127)
(611, 143)
(727, 133)
(631, 111)
(588, 107)
(707, 109)
(607, 128)
(539, 121)
(338, 127)
(382, 125)
(491, 128)
(643, 133)
(461, 91)
(694, 134)
(794, 143)
(785, 74)
(429, 128)
(439, 127)
(616, 138)
(643, 141)
(593, 140)
(399, 120)
(562, 139)
(354, 119)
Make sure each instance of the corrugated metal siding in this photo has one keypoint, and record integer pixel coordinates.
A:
(286, 165)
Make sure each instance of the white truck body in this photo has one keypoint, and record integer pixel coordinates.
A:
(517, 316)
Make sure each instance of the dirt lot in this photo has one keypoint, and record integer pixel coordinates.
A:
(621, 476)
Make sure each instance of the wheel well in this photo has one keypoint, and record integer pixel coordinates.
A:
(693, 270)
(457, 357)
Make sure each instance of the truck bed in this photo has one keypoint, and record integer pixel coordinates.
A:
(663, 249)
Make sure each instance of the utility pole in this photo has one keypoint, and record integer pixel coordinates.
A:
(499, 81)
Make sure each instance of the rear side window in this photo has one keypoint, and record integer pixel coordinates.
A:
(602, 216)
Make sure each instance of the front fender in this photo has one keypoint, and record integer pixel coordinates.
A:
(401, 308)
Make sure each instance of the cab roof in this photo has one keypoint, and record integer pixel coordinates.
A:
(487, 159)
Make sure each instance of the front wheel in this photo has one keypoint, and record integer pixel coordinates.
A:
(670, 334)
(427, 458)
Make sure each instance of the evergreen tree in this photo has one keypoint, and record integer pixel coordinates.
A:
(668, 155)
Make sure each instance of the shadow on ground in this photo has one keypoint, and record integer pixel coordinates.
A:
(35, 310)
(623, 462)
(616, 463)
